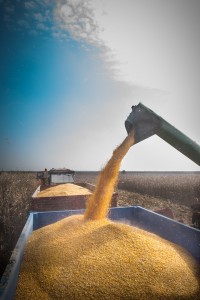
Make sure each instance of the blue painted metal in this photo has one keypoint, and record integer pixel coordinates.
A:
(171, 230)
(8, 281)
(176, 232)
(41, 219)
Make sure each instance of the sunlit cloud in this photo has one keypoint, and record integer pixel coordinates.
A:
(29, 4)
(10, 9)
(39, 17)
(33, 32)
(74, 18)
(77, 18)
(23, 24)
(41, 26)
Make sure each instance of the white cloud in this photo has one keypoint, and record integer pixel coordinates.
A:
(60, 35)
(29, 4)
(23, 23)
(41, 26)
(74, 18)
(39, 17)
(33, 32)
(77, 18)
(9, 8)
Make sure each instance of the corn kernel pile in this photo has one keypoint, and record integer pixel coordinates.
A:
(75, 259)
(65, 189)
(90, 257)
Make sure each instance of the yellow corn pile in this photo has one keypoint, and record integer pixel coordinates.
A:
(74, 259)
(91, 258)
(66, 189)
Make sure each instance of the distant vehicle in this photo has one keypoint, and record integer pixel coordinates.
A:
(62, 202)
(56, 176)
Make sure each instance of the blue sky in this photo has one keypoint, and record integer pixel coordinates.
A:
(43, 77)
(71, 70)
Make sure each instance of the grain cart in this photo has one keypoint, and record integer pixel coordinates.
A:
(166, 228)
(61, 192)
(146, 123)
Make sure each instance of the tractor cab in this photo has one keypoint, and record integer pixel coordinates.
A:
(56, 176)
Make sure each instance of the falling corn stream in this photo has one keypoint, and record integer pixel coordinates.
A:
(90, 257)
(98, 203)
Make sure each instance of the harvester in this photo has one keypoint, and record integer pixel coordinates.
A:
(146, 123)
